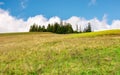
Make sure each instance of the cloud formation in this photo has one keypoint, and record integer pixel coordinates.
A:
(115, 24)
(23, 3)
(10, 23)
(92, 2)
(1, 3)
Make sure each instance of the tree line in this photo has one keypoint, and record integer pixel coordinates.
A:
(58, 28)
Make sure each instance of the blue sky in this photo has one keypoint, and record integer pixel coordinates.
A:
(16, 14)
(63, 8)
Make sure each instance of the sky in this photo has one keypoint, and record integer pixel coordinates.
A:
(18, 15)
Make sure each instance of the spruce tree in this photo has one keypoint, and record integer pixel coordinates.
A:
(39, 28)
(89, 28)
(49, 28)
(43, 28)
(55, 27)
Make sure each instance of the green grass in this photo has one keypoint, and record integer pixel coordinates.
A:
(94, 34)
(96, 53)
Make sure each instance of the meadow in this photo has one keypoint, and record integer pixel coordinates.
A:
(43, 53)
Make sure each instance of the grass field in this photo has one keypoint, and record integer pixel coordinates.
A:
(96, 53)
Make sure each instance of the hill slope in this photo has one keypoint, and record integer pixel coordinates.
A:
(54, 54)
(100, 33)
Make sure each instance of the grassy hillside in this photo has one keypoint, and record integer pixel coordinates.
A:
(94, 34)
(96, 53)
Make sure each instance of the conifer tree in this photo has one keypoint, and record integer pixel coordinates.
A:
(39, 29)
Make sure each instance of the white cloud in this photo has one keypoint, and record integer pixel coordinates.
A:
(92, 2)
(98, 25)
(115, 24)
(9, 23)
(23, 3)
(53, 20)
(82, 23)
(74, 20)
(1, 3)
(39, 19)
